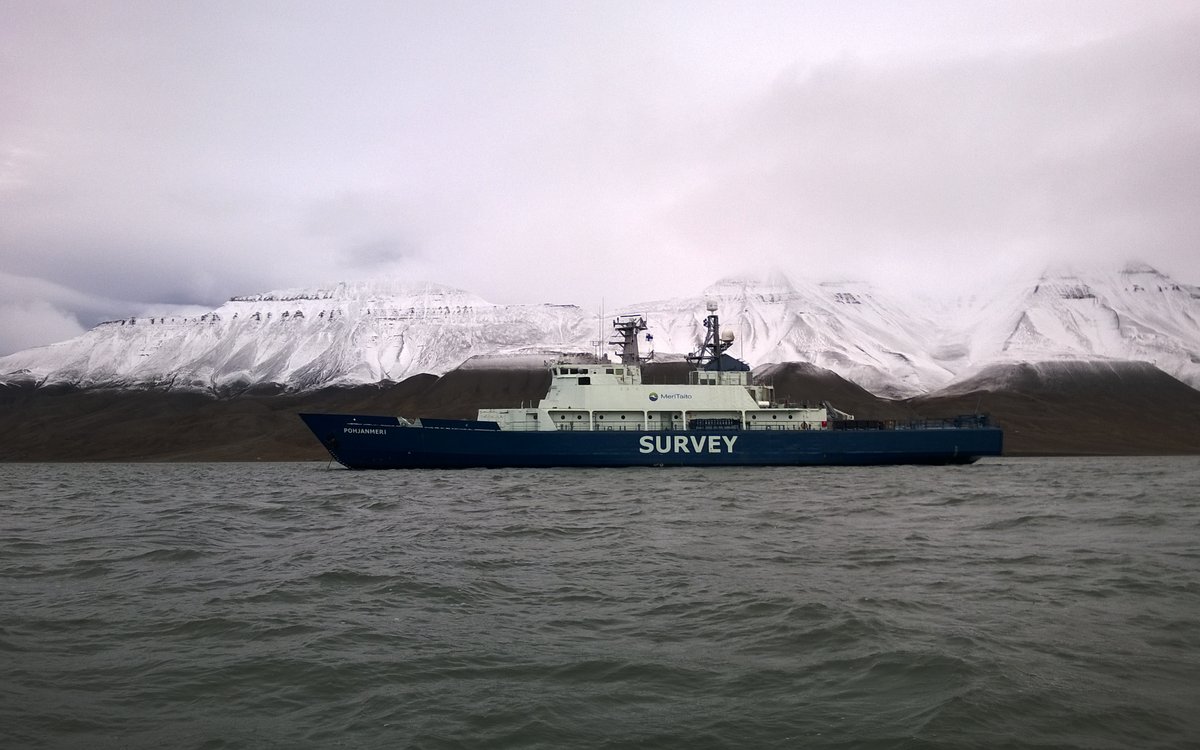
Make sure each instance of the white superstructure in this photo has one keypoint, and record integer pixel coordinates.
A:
(720, 394)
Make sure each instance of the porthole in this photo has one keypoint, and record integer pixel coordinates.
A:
(774, 416)
(622, 416)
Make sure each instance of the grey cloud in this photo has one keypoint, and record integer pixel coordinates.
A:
(33, 323)
(570, 152)
(1091, 150)
(379, 252)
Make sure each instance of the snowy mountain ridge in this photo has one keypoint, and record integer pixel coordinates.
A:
(387, 330)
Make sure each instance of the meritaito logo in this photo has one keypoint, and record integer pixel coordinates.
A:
(668, 396)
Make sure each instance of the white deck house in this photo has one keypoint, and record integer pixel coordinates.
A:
(609, 396)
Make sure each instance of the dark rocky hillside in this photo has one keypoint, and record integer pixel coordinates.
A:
(1081, 408)
(1045, 410)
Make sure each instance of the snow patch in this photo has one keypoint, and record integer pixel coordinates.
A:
(390, 329)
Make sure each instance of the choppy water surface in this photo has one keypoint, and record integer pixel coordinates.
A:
(1014, 603)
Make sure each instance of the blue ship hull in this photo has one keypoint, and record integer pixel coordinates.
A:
(366, 442)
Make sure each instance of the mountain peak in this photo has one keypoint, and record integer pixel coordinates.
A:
(1138, 267)
(388, 287)
(737, 285)
(390, 328)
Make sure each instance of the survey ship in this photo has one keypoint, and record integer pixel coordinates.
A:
(600, 413)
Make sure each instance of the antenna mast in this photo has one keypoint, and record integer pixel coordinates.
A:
(714, 343)
(598, 342)
(627, 328)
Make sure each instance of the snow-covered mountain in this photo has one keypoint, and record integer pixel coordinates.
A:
(848, 327)
(388, 330)
(346, 334)
(1134, 313)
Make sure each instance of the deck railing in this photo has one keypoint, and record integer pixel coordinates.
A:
(962, 422)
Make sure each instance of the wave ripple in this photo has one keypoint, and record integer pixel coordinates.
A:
(1016, 603)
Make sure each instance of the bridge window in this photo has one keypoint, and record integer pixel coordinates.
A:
(585, 381)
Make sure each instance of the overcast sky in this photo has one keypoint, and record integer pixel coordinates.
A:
(156, 153)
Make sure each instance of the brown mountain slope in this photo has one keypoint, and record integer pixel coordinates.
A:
(1067, 408)
(1080, 408)
(802, 383)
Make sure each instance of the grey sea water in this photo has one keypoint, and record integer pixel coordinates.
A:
(1017, 603)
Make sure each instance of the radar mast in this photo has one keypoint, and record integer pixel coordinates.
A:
(627, 328)
(715, 342)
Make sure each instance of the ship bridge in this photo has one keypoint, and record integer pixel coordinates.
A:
(601, 374)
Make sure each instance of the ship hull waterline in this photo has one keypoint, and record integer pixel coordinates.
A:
(366, 442)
